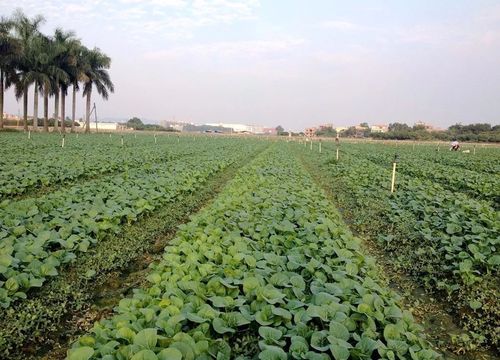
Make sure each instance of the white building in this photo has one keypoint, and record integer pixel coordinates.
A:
(241, 128)
(106, 126)
(379, 128)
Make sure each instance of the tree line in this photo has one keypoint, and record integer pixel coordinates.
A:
(482, 132)
(399, 131)
(49, 65)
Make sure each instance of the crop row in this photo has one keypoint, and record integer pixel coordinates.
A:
(446, 240)
(478, 185)
(485, 160)
(82, 159)
(267, 271)
(39, 235)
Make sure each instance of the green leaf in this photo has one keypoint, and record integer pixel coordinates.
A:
(82, 353)
(298, 347)
(339, 330)
(250, 284)
(6, 260)
(186, 349)
(145, 355)
(146, 338)
(452, 228)
(393, 312)
(126, 333)
(319, 340)
(221, 327)
(170, 354)
(12, 285)
(391, 332)
(271, 335)
(273, 354)
(474, 304)
(339, 352)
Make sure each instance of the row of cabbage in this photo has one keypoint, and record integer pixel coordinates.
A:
(449, 242)
(268, 271)
(427, 165)
(38, 235)
(82, 158)
(480, 157)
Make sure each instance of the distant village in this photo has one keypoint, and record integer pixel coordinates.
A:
(394, 131)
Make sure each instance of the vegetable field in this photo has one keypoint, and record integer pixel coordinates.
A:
(235, 248)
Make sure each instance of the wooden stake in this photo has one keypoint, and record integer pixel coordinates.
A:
(393, 176)
(122, 140)
(337, 154)
(320, 146)
(63, 139)
(474, 150)
(29, 134)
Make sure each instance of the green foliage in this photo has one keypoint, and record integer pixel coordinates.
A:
(41, 234)
(441, 226)
(267, 267)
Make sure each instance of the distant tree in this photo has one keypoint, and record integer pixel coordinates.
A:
(135, 123)
(398, 127)
(279, 129)
(95, 75)
(351, 131)
(327, 132)
(364, 124)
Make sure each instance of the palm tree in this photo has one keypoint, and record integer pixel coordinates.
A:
(68, 48)
(26, 31)
(54, 74)
(75, 72)
(10, 51)
(71, 61)
(58, 73)
(95, 74)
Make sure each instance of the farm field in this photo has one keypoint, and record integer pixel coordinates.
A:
(206, 247)
(441, 227)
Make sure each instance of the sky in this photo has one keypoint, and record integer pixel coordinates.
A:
(295, 63)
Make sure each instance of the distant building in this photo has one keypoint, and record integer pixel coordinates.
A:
(310, 132)
(7, 116)
(107, 126)
(241, 128)
(176, 125)
(269, 131)
(340, 129)
(379, 128)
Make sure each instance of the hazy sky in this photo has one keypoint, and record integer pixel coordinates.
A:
(290, 62)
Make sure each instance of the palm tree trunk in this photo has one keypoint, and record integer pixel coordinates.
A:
(46, 108)
(63, 111)
(25, 108)
(35, 108)
(87, 115)
(73, 112)
(56, 110)
(1, 99)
